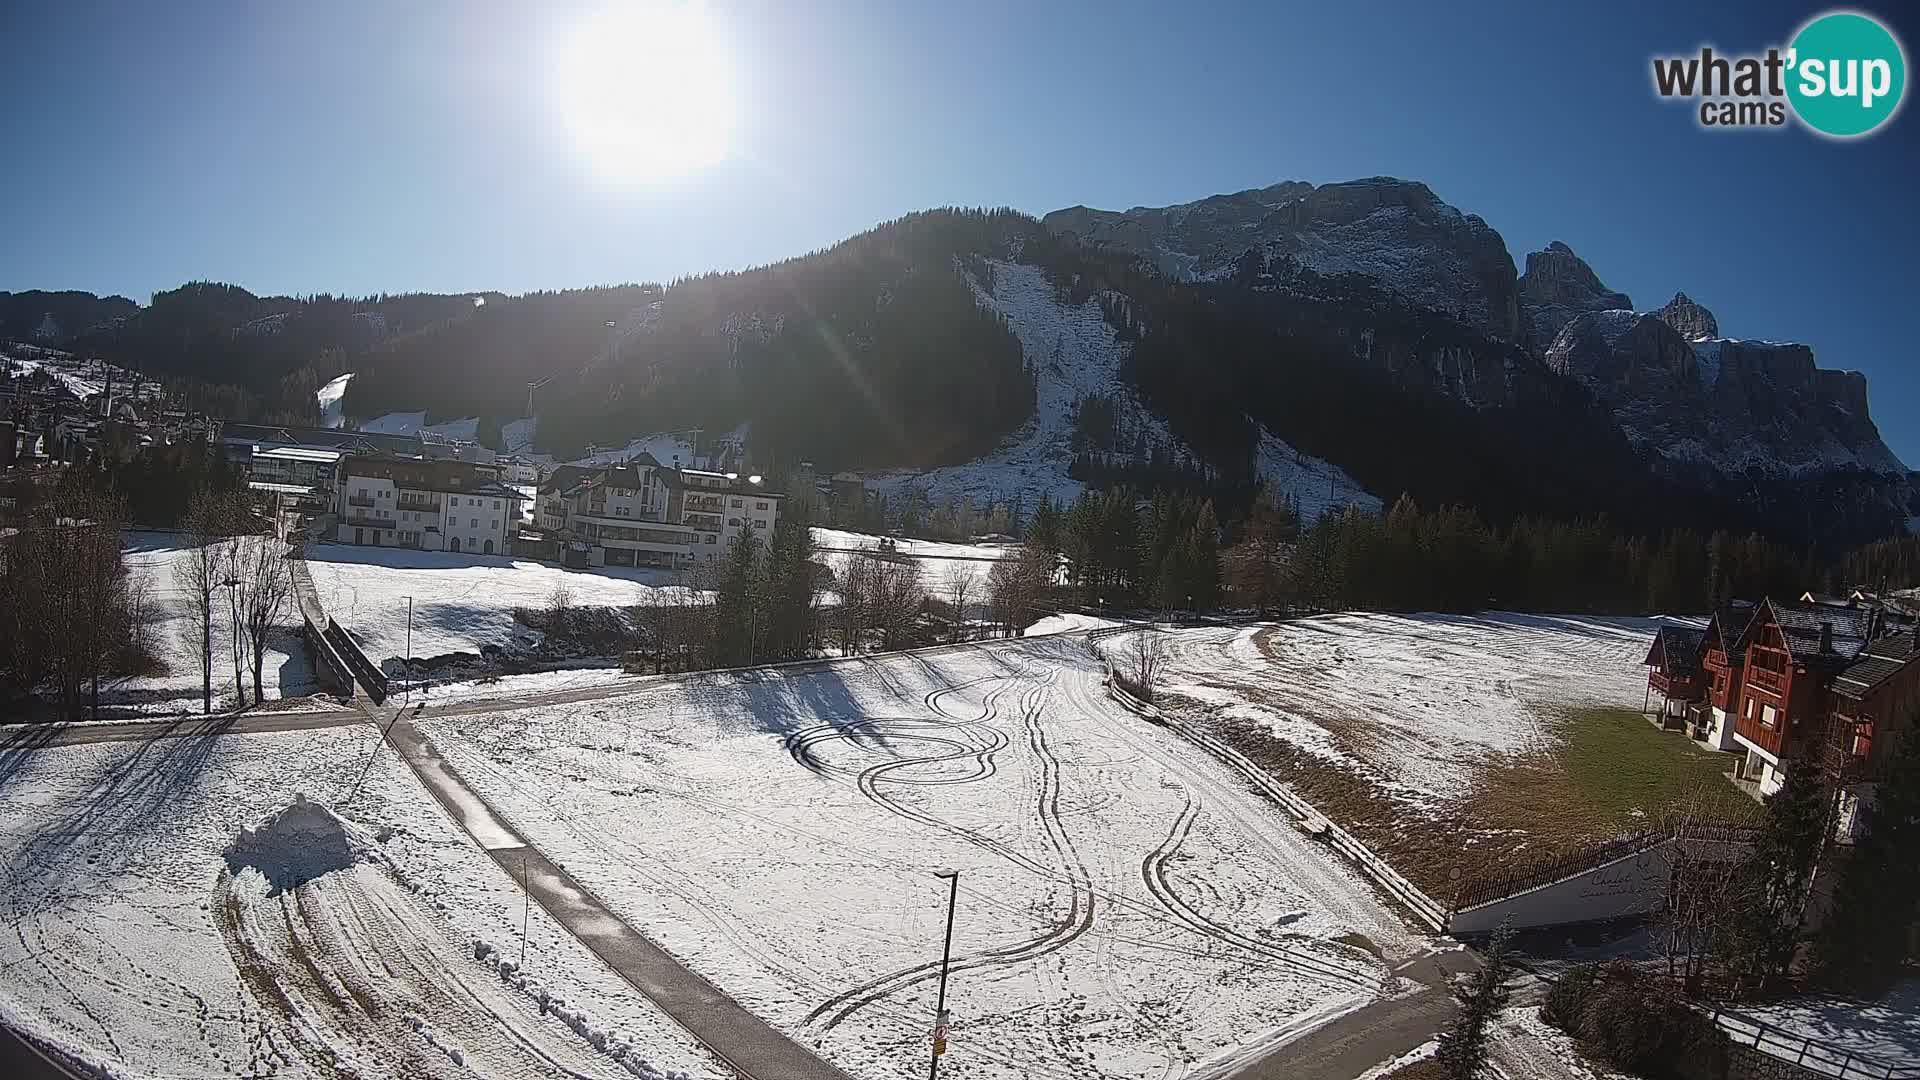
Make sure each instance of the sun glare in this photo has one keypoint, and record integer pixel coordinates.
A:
(646, 88)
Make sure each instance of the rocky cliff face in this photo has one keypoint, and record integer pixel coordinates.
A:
(1751, 413)
(1692, 321)
(1395, 232)
(1557, 286)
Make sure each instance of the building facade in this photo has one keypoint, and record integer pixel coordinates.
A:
(642, 513)
(427, 505)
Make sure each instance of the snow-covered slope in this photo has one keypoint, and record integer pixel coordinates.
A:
(1077, 354)
(329, 397)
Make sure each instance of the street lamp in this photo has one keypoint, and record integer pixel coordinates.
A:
(946, 960)
(408, 688)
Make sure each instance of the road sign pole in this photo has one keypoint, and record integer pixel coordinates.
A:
(946, 961)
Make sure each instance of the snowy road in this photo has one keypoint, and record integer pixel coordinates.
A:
(1126, 906)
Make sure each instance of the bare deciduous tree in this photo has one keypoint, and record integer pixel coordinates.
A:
(262, 585)
(960, 589)
(1140, 663)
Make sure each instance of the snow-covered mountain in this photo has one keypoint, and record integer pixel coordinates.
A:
(1396, 232)
(1077, 355)
(1754, 417)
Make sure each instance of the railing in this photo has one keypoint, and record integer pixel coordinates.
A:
(356, 500)
(1773, 682)
(412, 504)
(369, 522)
(1812, 1055)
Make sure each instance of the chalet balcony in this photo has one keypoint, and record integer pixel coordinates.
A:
(359, 500)
(1772, 682)
(368, 521)
(1677, 687)
(419, 504)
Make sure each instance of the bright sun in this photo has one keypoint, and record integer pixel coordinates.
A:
(647, 90)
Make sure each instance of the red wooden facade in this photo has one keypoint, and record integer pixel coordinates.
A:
(1779, 701)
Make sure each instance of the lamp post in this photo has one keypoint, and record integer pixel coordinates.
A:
(409, 685)
(946, 960)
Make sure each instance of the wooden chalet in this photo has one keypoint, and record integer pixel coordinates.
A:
(1724, 661)
(1873, 700)
(1795, 651)
(1674, 672)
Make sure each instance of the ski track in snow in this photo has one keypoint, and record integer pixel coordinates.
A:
(1127, 908)
(130, 941)
(1415, 700)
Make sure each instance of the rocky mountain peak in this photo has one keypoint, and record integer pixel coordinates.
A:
(1694, 322)
(1396, 232)
(1557, 286)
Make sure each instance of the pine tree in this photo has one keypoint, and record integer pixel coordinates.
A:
(1762, 930)
(1463, 1047)
(1863, 943)
(1203, 585)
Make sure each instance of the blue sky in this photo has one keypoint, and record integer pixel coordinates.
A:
(358, 147)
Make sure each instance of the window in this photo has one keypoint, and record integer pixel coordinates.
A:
(473, 523)
(496, 504)
(760, 524)
(737, 503)
(711, 538)
(733, 523)
(761, 505)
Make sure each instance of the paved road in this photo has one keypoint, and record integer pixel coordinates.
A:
(741, 1039)
(1362, 1039)
(22, 1060)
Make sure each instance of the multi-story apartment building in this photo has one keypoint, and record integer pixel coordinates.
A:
(642, 513)
(431, 505)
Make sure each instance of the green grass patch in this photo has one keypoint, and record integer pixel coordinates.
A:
(1616, 762)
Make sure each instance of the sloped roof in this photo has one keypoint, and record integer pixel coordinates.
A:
(1728, 627)
(1802, 624)
(1879, 661)
(1677, 649)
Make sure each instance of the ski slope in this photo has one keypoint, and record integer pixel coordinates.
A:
(329, 398)
(1077, 354)
(1126, 907)
(942, 565)
(146, 942)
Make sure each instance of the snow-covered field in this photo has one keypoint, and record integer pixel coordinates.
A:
(941, 564)
(1077, 354)
(141, 941)
(174, 634)
(1413, 700)
(460, 602)
(1126, 907)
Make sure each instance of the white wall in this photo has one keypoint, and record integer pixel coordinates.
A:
(1633, 884)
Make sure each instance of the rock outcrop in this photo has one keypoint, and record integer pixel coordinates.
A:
(1693, 322)
(1557, 286)
(1395, 232)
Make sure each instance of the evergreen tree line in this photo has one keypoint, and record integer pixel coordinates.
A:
(1123, 549)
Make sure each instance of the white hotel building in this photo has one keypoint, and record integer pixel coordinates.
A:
(429, 505)
(645, 514)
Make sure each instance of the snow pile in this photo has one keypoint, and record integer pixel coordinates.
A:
(516, 436)
(621, 1047)
(395, 423)
(1314, 485)
(298, 843)
(329, 397)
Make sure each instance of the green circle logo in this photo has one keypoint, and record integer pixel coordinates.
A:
(1846, 74)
